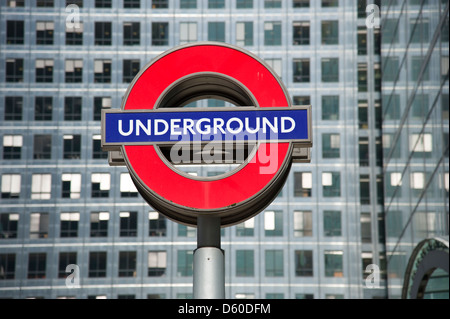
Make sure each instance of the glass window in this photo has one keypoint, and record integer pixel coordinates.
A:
(274, 263)
(186, 231)
(216, 4)
(245, 263)
(72, 146)
(272, 4)
(157, 263)
(127, 187)
(103, 33)
(302, 224)
(330, 32)
(43, 108)
(334, 264)
(302, 184)
(11, 185)
(65, 259)
(160, 4)
(330, 3)
(97, 152)
(13, 108)
(216, 31)
(188, 32)
(331, 144)
(128, 224)
(331, 183)
(8, 266)
(301, 33)
(130, 69)
(99, 224)
(15, 32)
(416, 69)
(362, 40)
(300, 3)
(8, 225)
(244, 4)
(301, 70)
(275, 64)
(97, 264)
(44, 32)
(389, 30)
(273, 223)
(41, 186)
(127, 264)
(12, 146)
(304, 263)
(246, 228)
(332, 225)
(100, 102)
(74, 33)
(39, 223)
(71, 186)
(363, 120)
(272, 33)
(160, 33)
(188, 4)
(72, 108)
(184, 263)
(302, 100)
(69, 224)
(42, 146)
(366, 228)
(74, 71)
(420, 30)
(157, 225)
(103, 3)
(390, 68)
(16, 3)
(44, 3)
(131, 33)
(421, 143)
(14, 70)
(101, 184)
(37, 264)
(391, 106)
(363, 151)
(132, 4)
(330, 70)
(364, 189)
(361, 5)
(362, 77)
(244, 33)
(102, 71)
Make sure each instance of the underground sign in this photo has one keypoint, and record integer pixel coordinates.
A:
(152, 132)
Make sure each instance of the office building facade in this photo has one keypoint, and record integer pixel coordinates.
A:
(415, 146)
(63, 205)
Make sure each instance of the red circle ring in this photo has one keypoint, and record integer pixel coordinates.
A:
(169, 189)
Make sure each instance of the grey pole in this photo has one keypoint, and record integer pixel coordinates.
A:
(209, 261)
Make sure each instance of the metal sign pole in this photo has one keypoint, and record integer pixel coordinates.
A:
(209, 260)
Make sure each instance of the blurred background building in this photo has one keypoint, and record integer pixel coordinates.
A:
(376, 187)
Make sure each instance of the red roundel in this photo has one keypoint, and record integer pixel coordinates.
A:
(171, 190)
